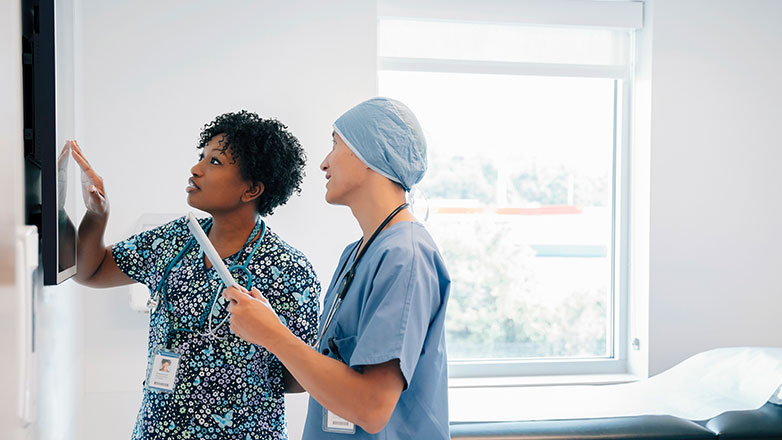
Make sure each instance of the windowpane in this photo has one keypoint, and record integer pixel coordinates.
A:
(519, 191)
(501, 42)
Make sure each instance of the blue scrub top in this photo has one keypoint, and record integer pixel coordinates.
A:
(394, 309)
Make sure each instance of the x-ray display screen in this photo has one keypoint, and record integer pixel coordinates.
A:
(66, 207)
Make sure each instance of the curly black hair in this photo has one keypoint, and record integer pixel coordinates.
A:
(266, 151)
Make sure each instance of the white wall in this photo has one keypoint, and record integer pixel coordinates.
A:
(149, 75)
(11, 215)
(715, 263)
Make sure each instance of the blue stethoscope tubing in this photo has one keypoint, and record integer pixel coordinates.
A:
(162, 290)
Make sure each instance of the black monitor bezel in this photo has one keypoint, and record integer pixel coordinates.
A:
(40, 124)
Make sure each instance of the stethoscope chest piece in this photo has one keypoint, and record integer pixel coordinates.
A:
(153, 302)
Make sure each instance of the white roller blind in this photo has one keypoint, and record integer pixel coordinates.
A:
(443, 40)
(589, 13)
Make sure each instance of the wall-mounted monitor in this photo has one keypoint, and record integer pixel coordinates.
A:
(50, 177)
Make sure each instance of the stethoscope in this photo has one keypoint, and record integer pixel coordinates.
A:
(348, 279)
(160, 294)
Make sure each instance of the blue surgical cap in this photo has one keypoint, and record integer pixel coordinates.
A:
(385, 135)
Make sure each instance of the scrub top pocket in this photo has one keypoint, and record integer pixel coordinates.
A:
(341, 346)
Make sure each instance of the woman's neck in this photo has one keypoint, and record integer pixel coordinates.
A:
(230, 231)
(374, 207)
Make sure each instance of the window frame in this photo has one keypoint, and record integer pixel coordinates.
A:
(619, 328)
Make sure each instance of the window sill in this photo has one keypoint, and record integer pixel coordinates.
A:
(499, 399)
(537, 381)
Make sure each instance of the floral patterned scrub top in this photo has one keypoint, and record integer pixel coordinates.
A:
(226, 388)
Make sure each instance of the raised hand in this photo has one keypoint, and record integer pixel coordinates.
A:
(92, 188)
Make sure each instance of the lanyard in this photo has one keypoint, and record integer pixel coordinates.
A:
(162, 288)
(348, 279)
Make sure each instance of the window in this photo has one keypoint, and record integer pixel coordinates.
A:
(524, 195)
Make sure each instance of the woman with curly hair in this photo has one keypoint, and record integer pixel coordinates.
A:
(216, 386)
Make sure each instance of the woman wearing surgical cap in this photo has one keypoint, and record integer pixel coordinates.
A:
(380, 369)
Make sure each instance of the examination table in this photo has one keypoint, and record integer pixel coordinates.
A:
(720, 394)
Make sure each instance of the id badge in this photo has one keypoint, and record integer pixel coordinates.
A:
(336, 424)
(162, 374)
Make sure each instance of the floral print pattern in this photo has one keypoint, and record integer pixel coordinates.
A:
(226, 388)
